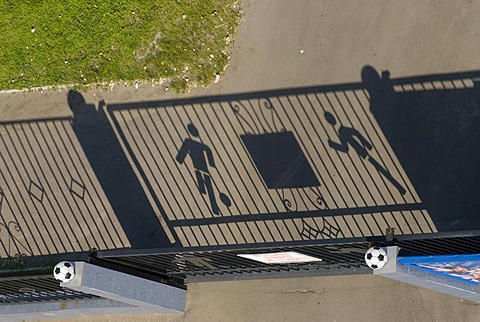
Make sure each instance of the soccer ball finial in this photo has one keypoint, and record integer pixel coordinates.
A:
(376, 257)
(64, 271)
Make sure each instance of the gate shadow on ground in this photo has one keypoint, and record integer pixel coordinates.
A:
(433, 125)
(316, 163)
(115, 174)
(324, 162)
(50, 199)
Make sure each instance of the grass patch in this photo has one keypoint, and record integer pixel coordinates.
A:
(49, 42)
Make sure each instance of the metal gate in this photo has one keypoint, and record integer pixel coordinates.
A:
(178, 266)
(36, 289)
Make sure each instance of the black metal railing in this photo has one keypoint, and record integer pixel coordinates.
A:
(176, 266)
(34, 289)
(440, 244)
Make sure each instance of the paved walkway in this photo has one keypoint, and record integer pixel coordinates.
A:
(315, 146)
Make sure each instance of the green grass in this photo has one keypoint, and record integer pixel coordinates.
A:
(85, 42)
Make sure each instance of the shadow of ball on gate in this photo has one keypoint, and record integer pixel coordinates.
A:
(225, 200)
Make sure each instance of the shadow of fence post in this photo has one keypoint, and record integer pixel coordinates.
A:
(116, 175)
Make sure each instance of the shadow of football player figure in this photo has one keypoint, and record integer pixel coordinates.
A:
(200, 153)
(351, 137)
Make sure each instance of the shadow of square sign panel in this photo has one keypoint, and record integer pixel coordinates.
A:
(280, 160)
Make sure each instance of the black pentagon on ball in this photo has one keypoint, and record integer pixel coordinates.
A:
(380, 257)
(68, 275)
(374, 266)
(57, 270)
(369, 256)
(67, 264)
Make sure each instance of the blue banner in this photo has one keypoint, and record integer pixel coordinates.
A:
(465, 268)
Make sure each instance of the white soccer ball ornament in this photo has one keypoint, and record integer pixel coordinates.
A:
(376, 257)
(64, 271)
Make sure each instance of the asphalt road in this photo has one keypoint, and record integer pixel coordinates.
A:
(290, 44)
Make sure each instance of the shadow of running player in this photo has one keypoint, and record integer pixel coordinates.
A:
(351, 137)
(200, 153)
